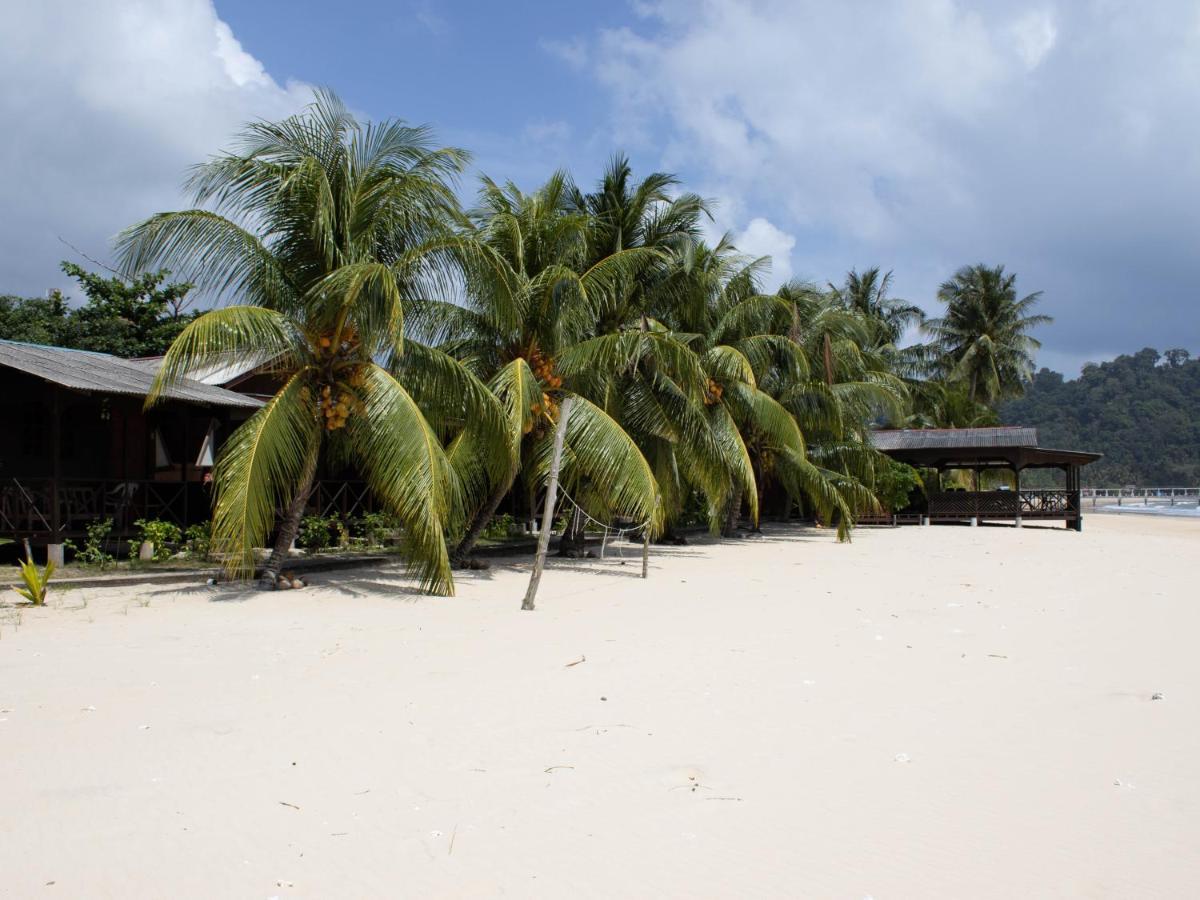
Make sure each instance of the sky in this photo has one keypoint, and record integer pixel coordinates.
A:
(1060, 138)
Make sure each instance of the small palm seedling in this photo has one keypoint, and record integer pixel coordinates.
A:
(37, 584)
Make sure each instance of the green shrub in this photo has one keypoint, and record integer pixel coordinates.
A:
(895, 484)
(198, 540)
(377, 529)
(499, 527)
(94, 552)
(314, 533)
(162, 534)
(37, 585)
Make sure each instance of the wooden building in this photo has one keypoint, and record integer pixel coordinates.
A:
(78, 445)
(978, 450)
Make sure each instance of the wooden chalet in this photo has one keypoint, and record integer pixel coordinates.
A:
(981, 449)
(79, 446)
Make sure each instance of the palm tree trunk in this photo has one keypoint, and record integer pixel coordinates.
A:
(539, 561)
(483, 516)
(290, 526)
(729, 526)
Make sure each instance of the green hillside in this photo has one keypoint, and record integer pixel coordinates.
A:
(1141, 411)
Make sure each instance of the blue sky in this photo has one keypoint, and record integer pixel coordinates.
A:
(1059, 137)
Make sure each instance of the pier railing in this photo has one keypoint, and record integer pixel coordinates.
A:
(1141, 496)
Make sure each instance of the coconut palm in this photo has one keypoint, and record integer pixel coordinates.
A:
(983, 340)
(867, 294)
(533, 301)
(324, 228)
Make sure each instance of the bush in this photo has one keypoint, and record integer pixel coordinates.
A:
(499, 527)
(162, 534)
(895, 484)
(94, 552)
(314, 533)
(37, 584)
(377, 529)
(198, 540)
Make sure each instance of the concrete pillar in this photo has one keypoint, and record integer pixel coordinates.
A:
(54, 554)
(924, 520)
(974, 521)
(1018, 522)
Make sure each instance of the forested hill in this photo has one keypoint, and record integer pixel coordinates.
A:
(1141, 411)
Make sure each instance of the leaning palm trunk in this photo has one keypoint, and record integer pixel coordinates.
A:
(289, 527)
(482, 518)
(729, 526)
(539, 561)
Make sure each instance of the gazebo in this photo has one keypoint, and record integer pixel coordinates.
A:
(979, 449)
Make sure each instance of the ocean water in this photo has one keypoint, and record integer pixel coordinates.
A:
(1187, 512)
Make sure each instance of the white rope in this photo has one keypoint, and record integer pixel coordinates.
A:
(607, 528)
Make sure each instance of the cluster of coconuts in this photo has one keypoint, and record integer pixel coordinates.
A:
(288, 582)
(712, 392)
(543, 369)
(335, 408)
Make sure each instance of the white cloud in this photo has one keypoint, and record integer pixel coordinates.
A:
(933, 133)
(761, 238)
(574, 52)
(554, 131)
(1034, 35)
(107, 104)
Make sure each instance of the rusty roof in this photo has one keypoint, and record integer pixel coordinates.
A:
(954, 438)
(100, 373)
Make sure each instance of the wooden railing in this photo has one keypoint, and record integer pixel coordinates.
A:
(27, 505)
(1027, 504)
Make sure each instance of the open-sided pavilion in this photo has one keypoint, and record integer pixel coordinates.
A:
(981, 449)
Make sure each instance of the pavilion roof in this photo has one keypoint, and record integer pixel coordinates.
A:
(100, 373)
(954, 438)
(1003, 445)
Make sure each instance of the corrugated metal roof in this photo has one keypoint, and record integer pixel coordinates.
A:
(83, 370)
(954, 438)
(217, 373)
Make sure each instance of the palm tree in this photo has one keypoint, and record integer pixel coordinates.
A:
(867, 294)
(532, 303)
(324, 228)
(983, 340)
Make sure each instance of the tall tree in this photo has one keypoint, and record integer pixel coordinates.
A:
(868, 295)
(324, 228)
(532, 302)
(983, 341)
(138, 316)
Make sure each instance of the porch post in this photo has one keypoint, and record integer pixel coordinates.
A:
(1073, 500)
(54, 547)
(1017, 487)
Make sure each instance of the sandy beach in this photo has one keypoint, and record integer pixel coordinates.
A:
(925, 712)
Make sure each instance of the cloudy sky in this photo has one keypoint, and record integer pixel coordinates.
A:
(1059, 137)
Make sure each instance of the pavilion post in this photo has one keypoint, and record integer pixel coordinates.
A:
(1073, 501)
(54, 547)
(1017, 487)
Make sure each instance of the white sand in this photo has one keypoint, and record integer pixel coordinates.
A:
(938, 712)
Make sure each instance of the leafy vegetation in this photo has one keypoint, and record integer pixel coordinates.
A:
(140, 316)
(163, 535)
(37, 584)
(324, 228)
(1139, 410)
(197, 540)
(95, 546)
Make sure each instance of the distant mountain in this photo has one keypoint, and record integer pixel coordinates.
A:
(1141, 411)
